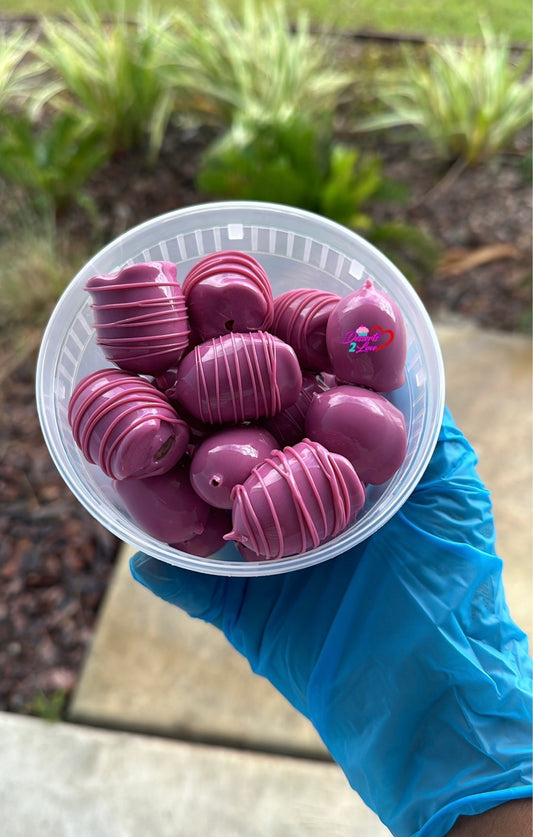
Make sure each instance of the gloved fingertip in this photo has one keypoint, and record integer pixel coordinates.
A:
(198, 594)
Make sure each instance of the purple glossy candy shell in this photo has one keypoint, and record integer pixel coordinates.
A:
(212, 538)
(238, 377)
(300, 318)
(198, 430)
(127, 314)
(155, 340)
(361, 425)
(248, 554)
(125, 425)
(144, 362)
(149, 363)
(289, 426)
(297, 499)
(215, 263)
(165, 507)
(366, 340)
(145, 281)
(149, 297)
(225, 459)
(240, 306)
(228, 291)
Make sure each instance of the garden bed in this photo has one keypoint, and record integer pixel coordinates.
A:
(479, 217)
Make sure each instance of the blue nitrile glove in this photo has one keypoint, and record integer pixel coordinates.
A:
(401, 651)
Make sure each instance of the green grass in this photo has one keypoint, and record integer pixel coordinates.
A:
(455, 18)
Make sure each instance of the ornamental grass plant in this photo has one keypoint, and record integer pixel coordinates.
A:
(19, 70)
(256, 62)
(109, 73)
(469, 100)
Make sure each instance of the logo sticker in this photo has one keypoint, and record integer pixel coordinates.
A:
(365, 339)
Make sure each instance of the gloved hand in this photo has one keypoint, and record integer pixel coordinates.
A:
(401, 652)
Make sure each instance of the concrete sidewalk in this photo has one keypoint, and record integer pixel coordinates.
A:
(64, 780)
(230, 756)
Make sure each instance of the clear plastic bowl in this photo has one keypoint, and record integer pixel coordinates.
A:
(297, 249)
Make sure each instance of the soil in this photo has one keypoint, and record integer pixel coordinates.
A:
(55, 560)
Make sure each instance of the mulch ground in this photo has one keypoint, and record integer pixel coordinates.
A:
(55, 560)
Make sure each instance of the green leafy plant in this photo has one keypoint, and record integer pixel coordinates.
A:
(49, 707)
(110, 73)
(256, 63)
(292, 162)
(52, 161)
(257, 160)
(353, 181)
(468, 100)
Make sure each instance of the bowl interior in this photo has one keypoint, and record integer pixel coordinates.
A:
(296, 249)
